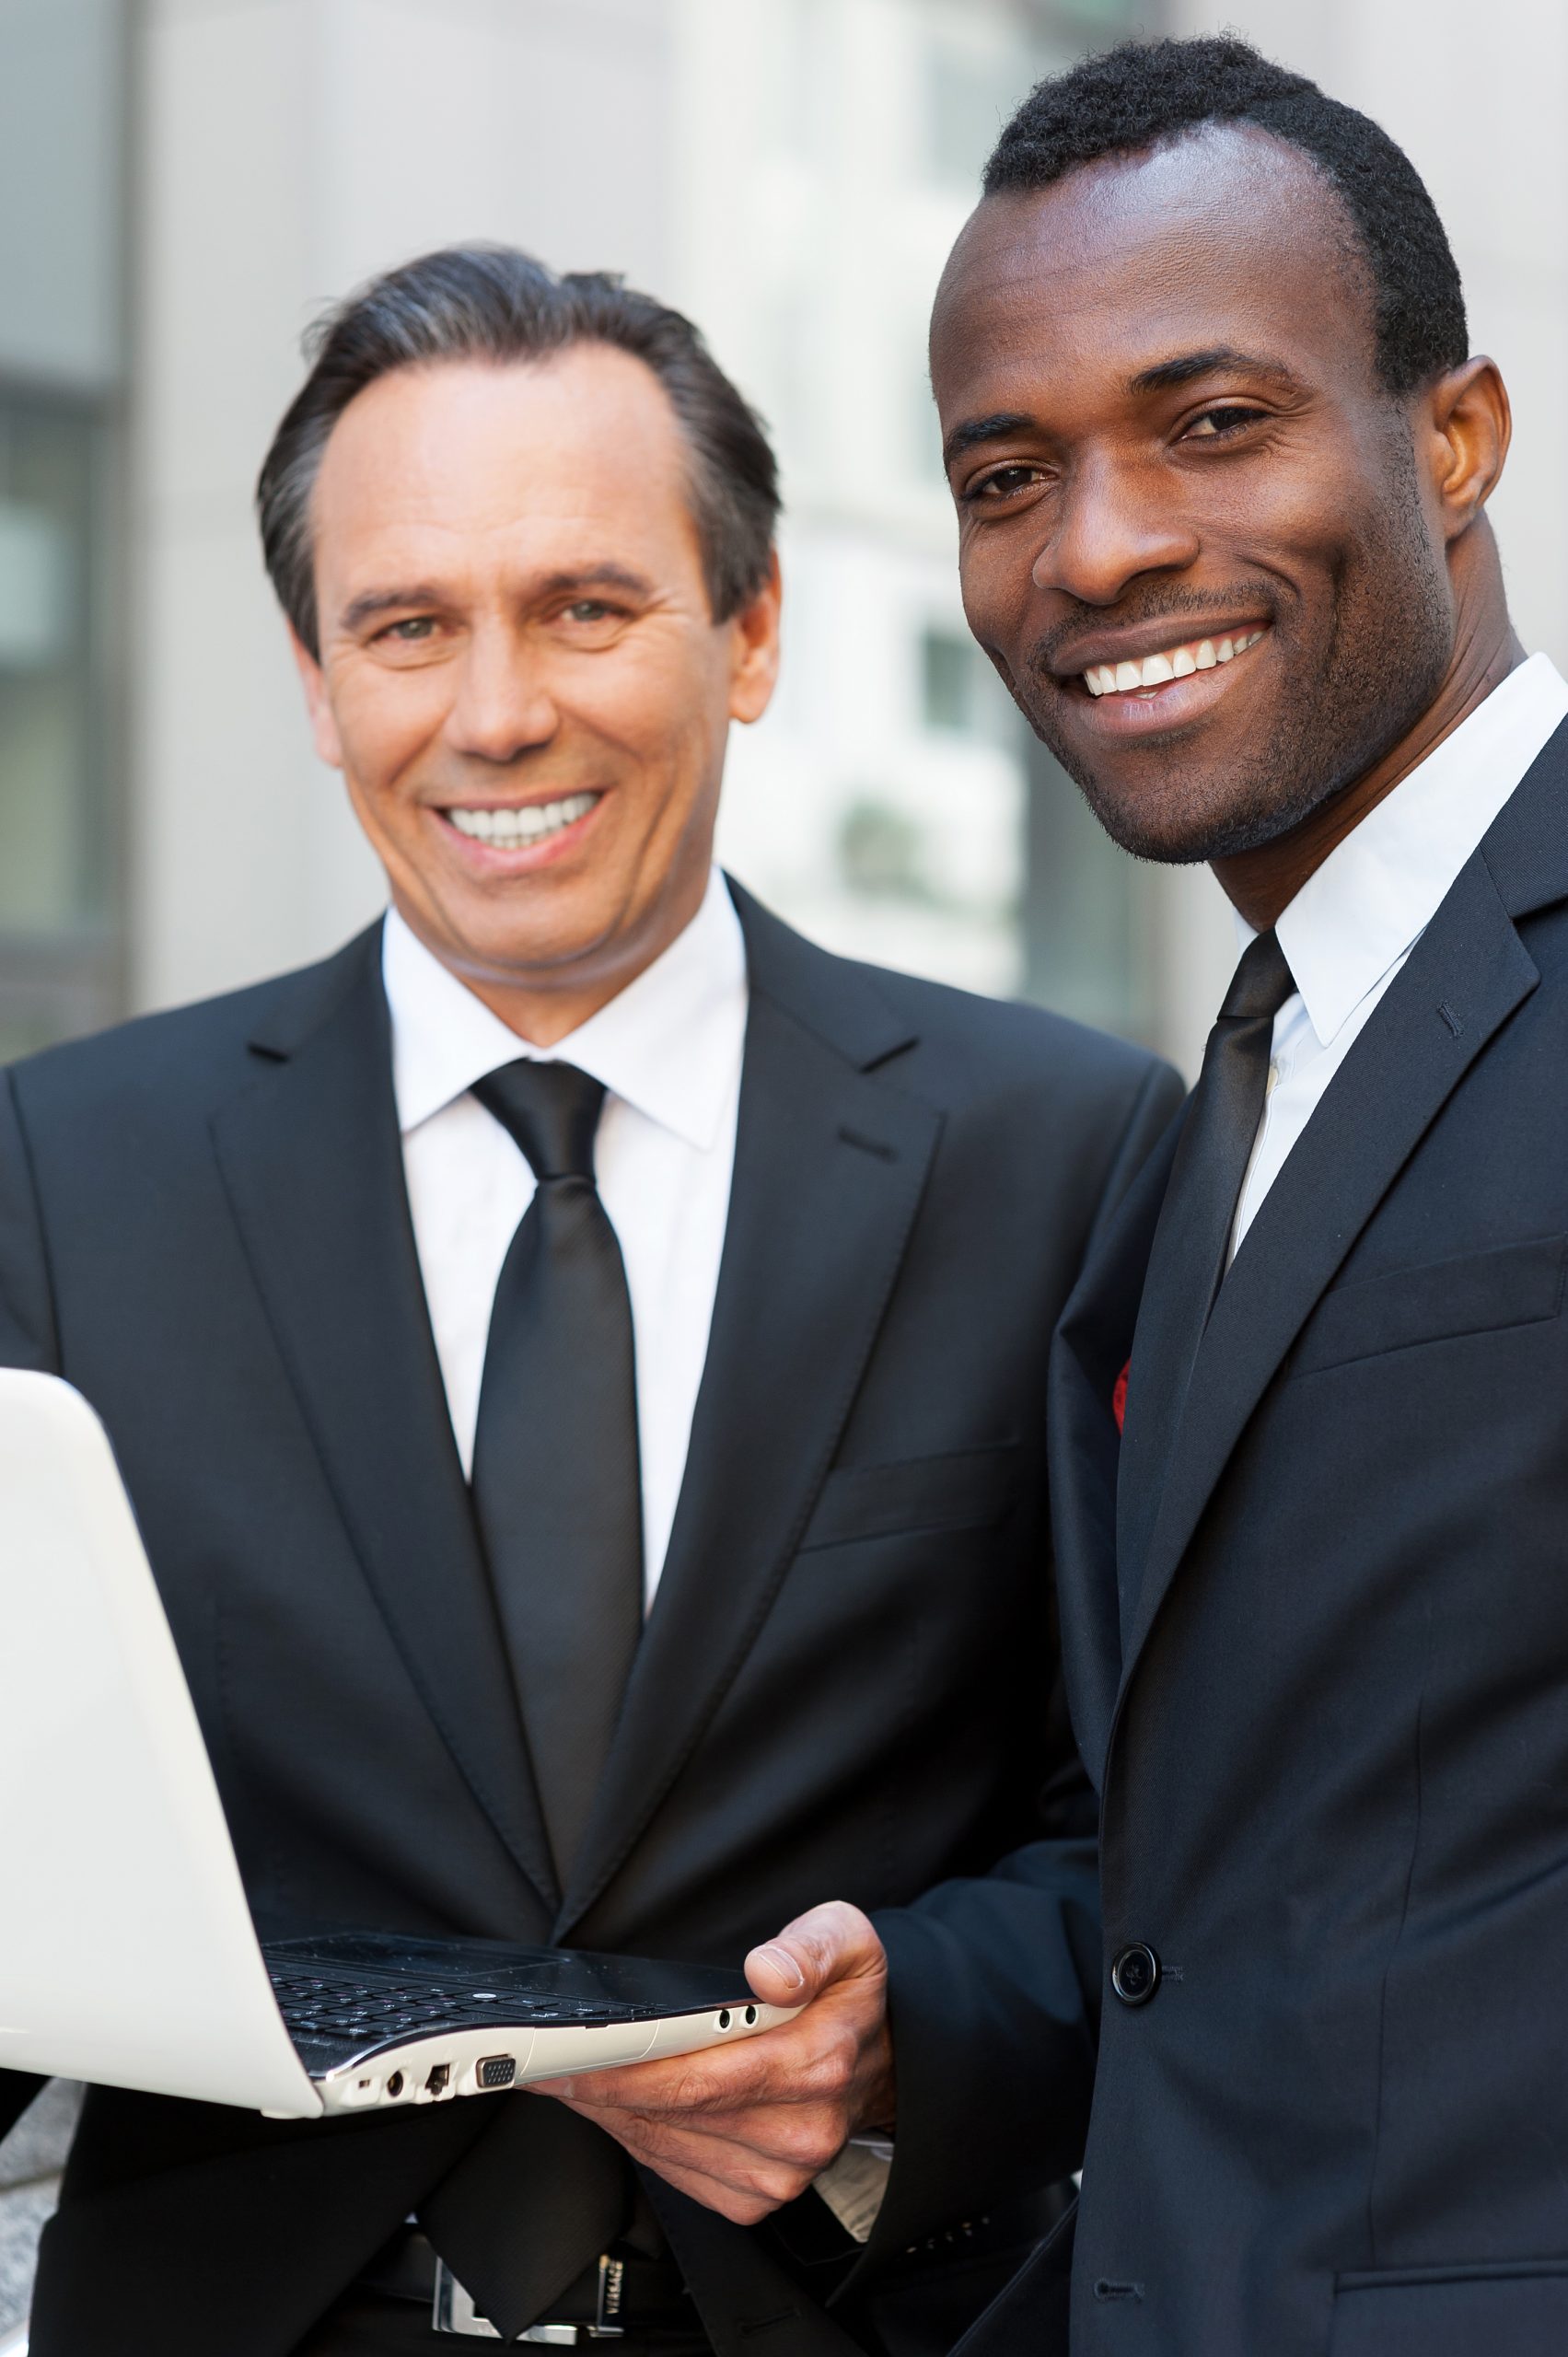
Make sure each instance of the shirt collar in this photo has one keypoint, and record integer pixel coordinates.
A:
(671, 1044)
(1377, 892)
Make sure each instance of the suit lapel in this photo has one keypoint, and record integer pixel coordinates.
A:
(1092, 1345)
(311, 1157)
(830, 1162)
(1464, 978)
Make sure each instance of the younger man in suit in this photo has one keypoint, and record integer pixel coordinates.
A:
(1222, 458)
(578, 1358)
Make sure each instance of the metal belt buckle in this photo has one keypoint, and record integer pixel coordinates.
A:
(607, 2307)
(454, 2312)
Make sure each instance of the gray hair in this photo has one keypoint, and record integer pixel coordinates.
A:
(496, 304)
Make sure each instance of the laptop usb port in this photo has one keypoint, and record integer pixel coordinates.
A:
(497, 2071)
(436, 2082)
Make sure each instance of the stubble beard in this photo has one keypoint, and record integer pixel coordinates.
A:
(1388, 648)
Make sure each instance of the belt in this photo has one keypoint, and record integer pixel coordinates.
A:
(622, 2293)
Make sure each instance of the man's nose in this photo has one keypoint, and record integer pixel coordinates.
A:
(1113, 522)
(504, 705)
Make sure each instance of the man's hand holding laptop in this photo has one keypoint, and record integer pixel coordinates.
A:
(746, 2128)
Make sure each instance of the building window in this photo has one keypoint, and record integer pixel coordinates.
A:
(58, 936)
(1085, 948)
(61, 210)
(960, 694)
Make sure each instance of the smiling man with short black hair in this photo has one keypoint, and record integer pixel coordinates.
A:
(1221, 459)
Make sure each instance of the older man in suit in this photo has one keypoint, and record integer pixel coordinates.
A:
(578, 1358)
(1223, 459)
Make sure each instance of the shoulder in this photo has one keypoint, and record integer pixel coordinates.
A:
(953, 1047)
(1010, 1036)
(184, 1058)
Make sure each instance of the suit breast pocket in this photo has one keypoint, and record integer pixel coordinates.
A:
(1518, 2310)
(1481, 1292)
(970, 1489)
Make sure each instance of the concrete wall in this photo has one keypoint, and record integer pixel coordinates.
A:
(287, 149)
(291, 147)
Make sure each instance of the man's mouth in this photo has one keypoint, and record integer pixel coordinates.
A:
(523, 826)
(1151, 671)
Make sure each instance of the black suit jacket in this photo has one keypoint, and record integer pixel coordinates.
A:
(1327, 1704)
(842, 1687)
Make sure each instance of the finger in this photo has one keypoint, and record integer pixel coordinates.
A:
(743, 2207)
(762, 2172)
(810, 2061)
(704, 2081)
(804, 2141)
(831, 1943)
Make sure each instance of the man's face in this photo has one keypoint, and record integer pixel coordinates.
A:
(519, 674)
(1194, 538)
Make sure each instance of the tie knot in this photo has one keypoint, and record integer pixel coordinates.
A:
(551, 1111)
(1262, 981)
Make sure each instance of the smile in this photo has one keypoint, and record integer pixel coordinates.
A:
(520, 828)
(1153, 671)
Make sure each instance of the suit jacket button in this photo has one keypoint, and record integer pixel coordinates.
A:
(1135, 1975)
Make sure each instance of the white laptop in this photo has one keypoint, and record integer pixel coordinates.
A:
(127, 1953)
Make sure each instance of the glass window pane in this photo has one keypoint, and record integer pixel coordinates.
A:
(1082, 954)
(62, 84)
(53, 868)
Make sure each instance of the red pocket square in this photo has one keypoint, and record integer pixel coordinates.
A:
(1119, 1399)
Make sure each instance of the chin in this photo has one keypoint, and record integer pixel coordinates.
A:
(1201, 821)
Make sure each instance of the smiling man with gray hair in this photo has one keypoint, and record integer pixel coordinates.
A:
(578, 1359)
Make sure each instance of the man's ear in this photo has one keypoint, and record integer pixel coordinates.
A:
(754, 649)
(1470, 424)
(323, 727)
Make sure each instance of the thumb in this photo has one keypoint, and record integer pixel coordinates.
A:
(827, 1944)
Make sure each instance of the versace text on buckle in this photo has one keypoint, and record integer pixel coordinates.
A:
(454, 2312)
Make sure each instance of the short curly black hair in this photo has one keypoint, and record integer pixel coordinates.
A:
(1147, 94)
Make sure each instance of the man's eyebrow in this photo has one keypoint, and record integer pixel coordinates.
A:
(978, 430)
(596, 576)
(372, 603)
(1166, 375)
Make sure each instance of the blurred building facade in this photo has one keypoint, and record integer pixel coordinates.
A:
(184, 183)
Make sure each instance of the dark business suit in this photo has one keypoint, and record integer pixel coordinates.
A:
(841, 1690)
(1325, 1704)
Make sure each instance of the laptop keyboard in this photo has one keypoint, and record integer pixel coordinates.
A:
(323, 2007)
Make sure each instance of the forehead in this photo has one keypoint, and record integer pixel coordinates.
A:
(583, 446)
(1225, 239)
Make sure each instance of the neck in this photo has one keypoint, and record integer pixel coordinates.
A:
(1262, 883)
(543, 1004)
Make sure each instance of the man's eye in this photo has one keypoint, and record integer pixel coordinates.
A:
(1002, 482)
(588, 609)
(417, 627)
(1224, 418)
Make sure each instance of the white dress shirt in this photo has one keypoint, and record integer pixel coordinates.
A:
(669, 1050)
(1355, 920)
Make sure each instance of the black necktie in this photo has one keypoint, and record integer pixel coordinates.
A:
(555, 1473)
(1192, 1239)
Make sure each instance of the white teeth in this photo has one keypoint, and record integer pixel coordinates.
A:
(512, 830)
(1173, 663)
